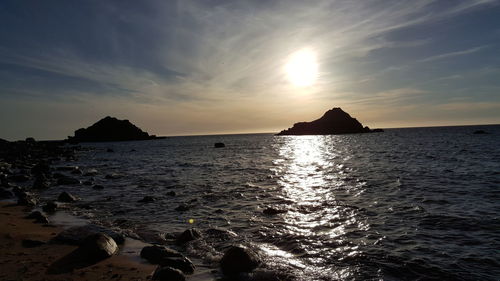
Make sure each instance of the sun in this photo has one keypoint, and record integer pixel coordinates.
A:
(302, 68)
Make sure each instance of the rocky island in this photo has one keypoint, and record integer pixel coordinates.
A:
(110, 129)
(334, 121)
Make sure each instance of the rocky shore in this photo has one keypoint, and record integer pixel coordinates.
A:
(36, 249)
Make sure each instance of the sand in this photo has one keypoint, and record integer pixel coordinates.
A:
(20, 263)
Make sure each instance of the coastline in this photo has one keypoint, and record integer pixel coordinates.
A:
(31, 263)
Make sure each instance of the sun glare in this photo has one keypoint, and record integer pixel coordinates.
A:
(302, 68)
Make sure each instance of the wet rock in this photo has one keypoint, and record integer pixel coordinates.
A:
(181, 263)
(41, 182)
(66, 197)
(93, 249)
(219, 145)
(26, 199)
(38, 217)
(113, 176)
(154, 254)
(171, 193)
(220, 234)
(91, 172)
(29, 243)
(50, 207)
(182, 208)
(65, 180)
(273, 211)
(168, 274)
(75, 235)
(147, 199)
(188, 235)
(238, 259)
(42, 168)
(98, 187)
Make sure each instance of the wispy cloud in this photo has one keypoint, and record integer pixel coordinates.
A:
(453, 54)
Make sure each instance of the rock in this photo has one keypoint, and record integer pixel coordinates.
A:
(77, 172)
(98, 187)
(220, 234)
(30, 140)
(38, 217)
(87, 183)
(65, 180)
(28, 243)
(76, 234)
(239, 259)
(334, 121)
(377, 130)
(171, 193)
(188, 235)
(109, 150)
(272, 211)
(91, 172)
(94, 248)
(147, 199)
(50, 207)
(154, 254)
(26, 199)
(42, 168)
(181, 263)
(41, 182)
(480, 132)
(113, 176)
(182, 208)
(66, 197)
(219, 145)
(168, 274)
(110, 129)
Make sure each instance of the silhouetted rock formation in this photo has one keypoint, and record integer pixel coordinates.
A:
(110, 129)
(334, 121)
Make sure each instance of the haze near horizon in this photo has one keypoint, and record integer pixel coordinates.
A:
(205, 67)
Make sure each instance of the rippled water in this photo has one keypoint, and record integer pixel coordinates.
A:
(406, 204)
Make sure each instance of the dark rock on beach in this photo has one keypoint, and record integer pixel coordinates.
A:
(188, 235)
(38, 216)
(66, 197)
(110, 129)
(181, 263)
(50, 207)
(26, 199)
(93, 249)
(154, 254)
(334, 121)
(238, 259)
(168, 274)
(77, 234)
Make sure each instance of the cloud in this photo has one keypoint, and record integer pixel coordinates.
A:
(453, 54)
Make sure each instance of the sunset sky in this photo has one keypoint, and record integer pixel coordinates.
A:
(206, 67)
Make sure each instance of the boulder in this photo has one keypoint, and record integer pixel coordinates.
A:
(154, 254)
(50, 207)
(75, 235)
(66, 197)
(334, 121)
(168, 274)
(181, 263)
(273, 211)
(188, 235)
(38, 217)
(26, 199)
(94, 248)
(219, 145)
(238, 259)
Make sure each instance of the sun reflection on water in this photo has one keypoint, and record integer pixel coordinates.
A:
(310, 170)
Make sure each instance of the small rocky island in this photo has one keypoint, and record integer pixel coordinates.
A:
(110, 129)
(334, 121)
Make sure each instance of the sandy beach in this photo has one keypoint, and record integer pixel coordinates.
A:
(19, 262)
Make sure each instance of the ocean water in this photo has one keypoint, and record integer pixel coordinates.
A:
(406, 204)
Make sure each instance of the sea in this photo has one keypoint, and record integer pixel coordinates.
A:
(405, 204)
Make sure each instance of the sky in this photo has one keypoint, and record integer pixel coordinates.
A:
(215, 66)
